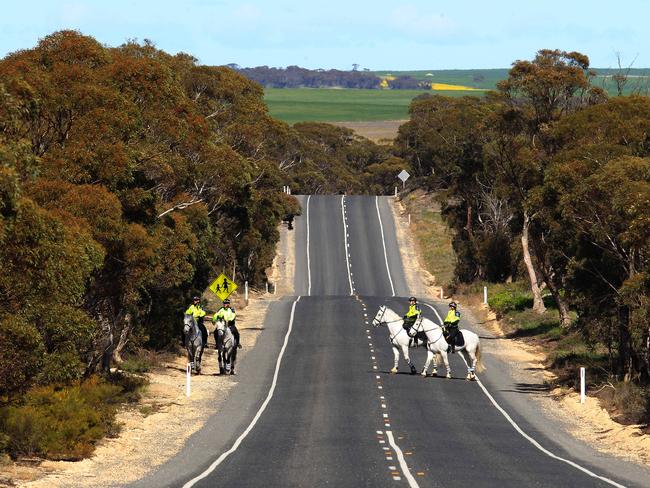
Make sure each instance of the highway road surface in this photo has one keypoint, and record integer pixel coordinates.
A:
(316, 404)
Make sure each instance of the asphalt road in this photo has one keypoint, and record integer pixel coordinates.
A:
(317, 406)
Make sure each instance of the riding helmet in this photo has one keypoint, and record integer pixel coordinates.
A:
(226, 301)
(453, 305)
(195, 298)
(413, 299)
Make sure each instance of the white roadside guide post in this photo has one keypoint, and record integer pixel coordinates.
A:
(246, 291)
(188, 379)
(485, 295)
(395, 191)
(582, 385)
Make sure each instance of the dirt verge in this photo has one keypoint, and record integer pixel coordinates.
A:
(156, 428)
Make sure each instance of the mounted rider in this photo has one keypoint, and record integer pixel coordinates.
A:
(229, 316)
(450, 326)
(411, 316)
(196, 311)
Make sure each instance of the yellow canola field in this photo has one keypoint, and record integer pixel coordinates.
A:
(445, 86)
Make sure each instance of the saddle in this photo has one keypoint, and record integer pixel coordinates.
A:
(457, 340)
(420, 336)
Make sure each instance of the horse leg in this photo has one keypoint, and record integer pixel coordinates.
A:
(470, 357)
(445, 359)
(396, 356)
(427, 362)
(434, 371)
(405, 351)
(198, 355)
(233, 359)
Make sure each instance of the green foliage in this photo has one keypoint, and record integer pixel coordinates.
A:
(509, 300)
(62, 422)
(21, 354)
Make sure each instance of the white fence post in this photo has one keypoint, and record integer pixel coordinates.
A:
(266, 283)
(409, 219)
(246, 291)
(582, 385)
(485, 295)
(188, 379)
(395, 191)
(442, 295)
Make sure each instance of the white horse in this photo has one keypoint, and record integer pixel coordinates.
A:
(226, 347)
(399, 338)
(437, 345)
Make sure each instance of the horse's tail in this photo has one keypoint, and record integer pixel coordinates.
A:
(480, 368)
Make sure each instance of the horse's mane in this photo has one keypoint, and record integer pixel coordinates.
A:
(391, 314)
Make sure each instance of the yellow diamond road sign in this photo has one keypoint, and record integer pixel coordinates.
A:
(223, 287)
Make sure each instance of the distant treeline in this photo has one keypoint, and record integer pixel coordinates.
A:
(297, 77)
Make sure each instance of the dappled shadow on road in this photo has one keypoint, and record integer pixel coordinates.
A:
(529, 388)
(418, 375)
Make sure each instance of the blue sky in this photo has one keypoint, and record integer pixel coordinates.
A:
(417, 34)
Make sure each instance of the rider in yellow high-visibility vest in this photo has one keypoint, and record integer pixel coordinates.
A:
(228, 314)
(451, 326)
(412, 314)
(198, 313)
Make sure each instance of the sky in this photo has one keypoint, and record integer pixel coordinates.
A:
(379, 35)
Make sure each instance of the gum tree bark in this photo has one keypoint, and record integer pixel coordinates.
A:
(538, 303)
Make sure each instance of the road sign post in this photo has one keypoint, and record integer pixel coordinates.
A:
(403, 175)
(582, 385)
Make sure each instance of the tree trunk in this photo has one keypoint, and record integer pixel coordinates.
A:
(538, 303)
(563, 308)
(624, 353)
(554, 285)
(127, 326)
(468, 226)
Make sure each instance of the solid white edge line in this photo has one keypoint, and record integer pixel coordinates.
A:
(239, 440)
(526, 436)
(383, 242)
(345, 249)
(402, 462)
(308, 262)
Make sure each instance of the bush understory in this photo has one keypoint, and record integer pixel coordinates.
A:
(65, 422)
(566, 351)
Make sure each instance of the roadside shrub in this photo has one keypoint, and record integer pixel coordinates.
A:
(509, 300)
(64, 422)
(21, 352)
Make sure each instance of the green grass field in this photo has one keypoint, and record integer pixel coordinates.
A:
(334, 105)
(341, 105)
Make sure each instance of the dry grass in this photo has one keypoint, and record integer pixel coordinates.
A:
(432, 236)
(377, 131)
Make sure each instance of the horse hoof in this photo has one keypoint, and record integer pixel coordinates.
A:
(448, 376)
(470, 377)
(232, 373)
(434, 372)
(393, 371)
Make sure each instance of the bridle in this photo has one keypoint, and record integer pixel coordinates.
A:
(427, 330)
(376, 322)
